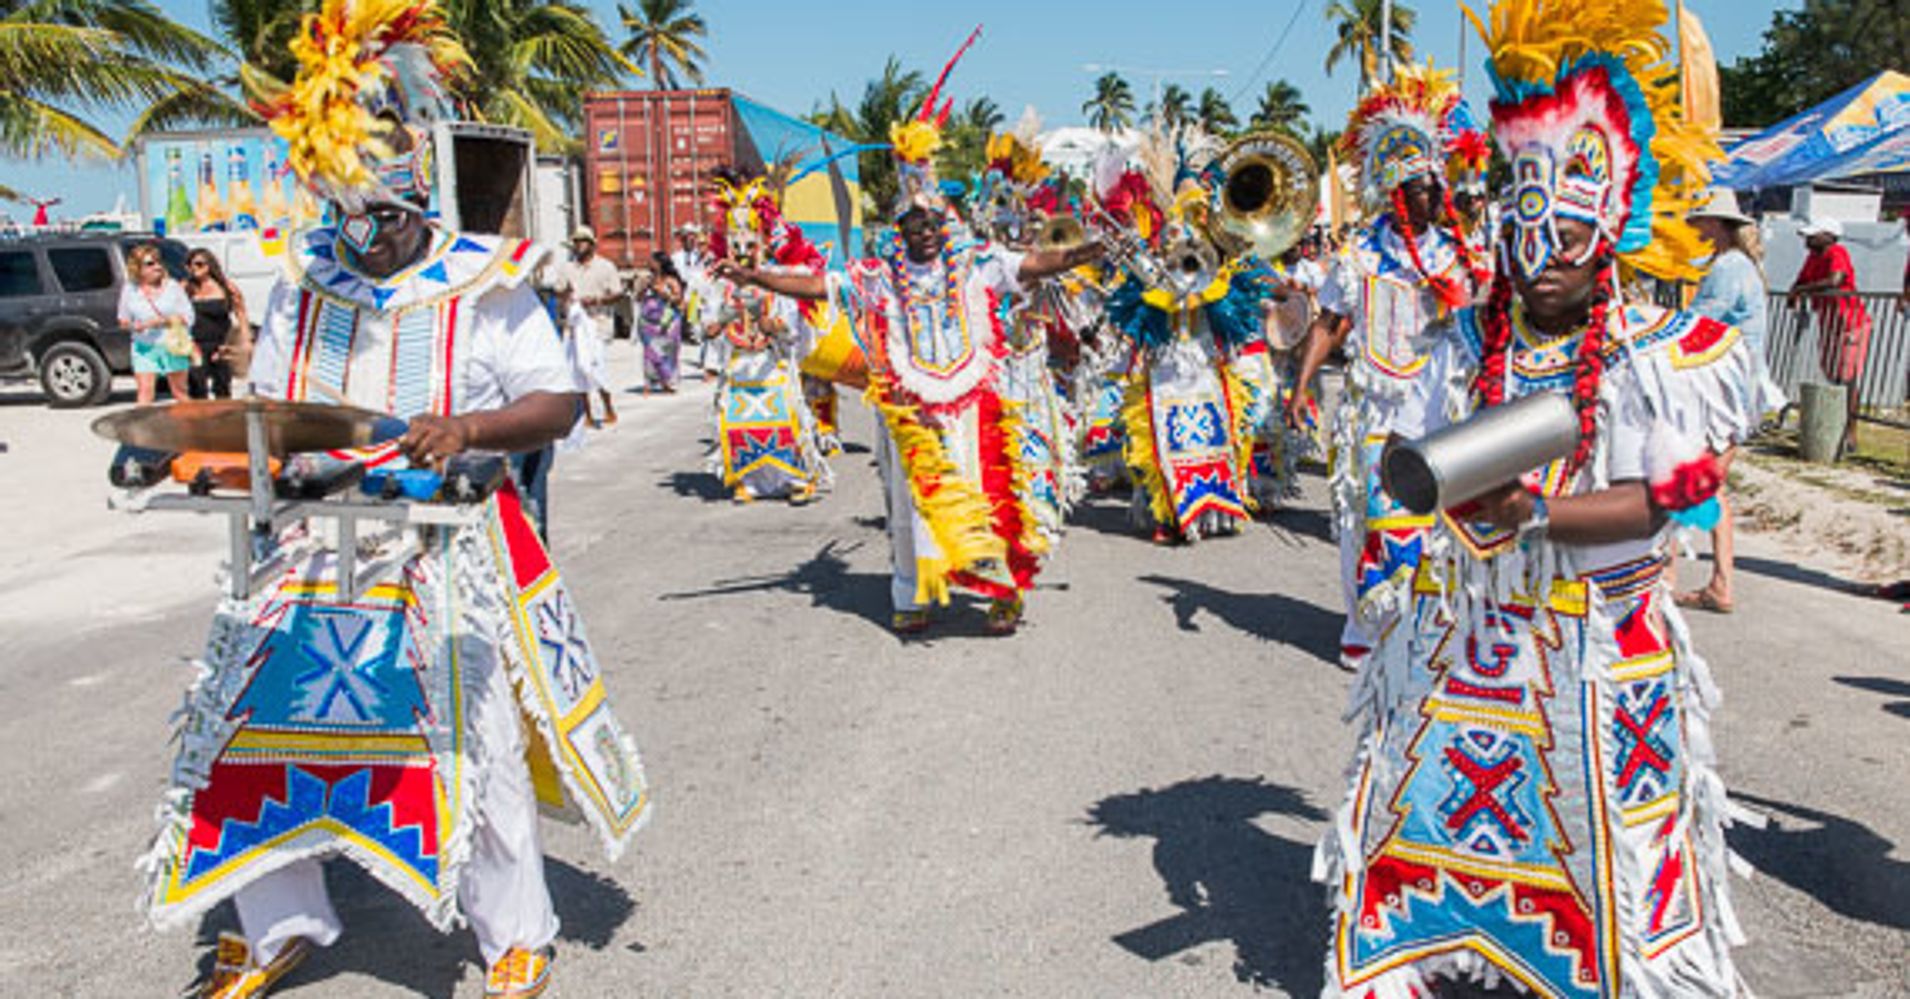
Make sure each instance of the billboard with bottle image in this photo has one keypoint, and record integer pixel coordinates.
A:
(232, 181)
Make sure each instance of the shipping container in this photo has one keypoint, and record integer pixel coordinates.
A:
(649, 157)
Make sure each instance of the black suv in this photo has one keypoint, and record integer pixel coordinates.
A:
(59, 311)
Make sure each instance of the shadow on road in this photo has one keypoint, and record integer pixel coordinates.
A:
(825, 578)
(1230, 879)
(1302, 521)
(1792, 573)
(1885, 686)
(1109, 514)
(1273, 617)
(388, 939)
(1840, 863)
(696, 485)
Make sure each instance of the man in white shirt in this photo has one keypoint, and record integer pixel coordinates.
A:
(594, 284)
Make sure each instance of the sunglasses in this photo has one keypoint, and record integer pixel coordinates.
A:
(197, 265)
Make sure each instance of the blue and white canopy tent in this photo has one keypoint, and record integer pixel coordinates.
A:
(1863, 131)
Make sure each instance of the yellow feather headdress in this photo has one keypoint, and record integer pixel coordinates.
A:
(360, 64)
(1586, 106)
(1397, 131)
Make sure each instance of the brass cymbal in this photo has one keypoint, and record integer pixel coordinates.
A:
(219, 425)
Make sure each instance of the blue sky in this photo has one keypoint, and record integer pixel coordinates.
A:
(792, 55)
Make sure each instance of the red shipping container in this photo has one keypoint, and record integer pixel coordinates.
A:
(648, 159)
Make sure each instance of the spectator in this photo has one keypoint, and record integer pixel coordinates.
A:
(660, 325)
(155, 309)
(593, 283)
(221, 331)
(1843, 325)
(692, 261)
(1732, 292)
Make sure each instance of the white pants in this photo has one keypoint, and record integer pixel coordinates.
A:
(901, 517)
(501, 890)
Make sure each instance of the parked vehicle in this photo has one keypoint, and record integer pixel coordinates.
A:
(59, 311)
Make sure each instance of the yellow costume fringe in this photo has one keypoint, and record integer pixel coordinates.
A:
(1245, 433)
(1531, 40)
(1142, 459)
(1013, 425)
(958, 514)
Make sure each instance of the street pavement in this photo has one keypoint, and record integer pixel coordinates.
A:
(1121, 800)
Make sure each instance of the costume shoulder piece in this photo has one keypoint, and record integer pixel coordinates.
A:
(458, 264)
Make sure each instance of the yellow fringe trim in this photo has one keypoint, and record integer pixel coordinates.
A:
(1013, 424)
(1245, 433)
(958, 514)
(1142, 459)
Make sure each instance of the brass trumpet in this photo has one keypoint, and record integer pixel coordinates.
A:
(1268, 193)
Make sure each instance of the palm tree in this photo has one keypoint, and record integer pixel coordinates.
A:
(965, 142)
(1216, 117)
(63, 61)
(261, 31)
(1359, 35)
(532, 63)
(1320, 142)
(1176, 108)
(889, 98)
(1112, 107)
(984, 115)
(664, 36)
(1281, 108)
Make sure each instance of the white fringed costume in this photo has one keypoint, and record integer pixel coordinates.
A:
(1534, 800)
(392, 729)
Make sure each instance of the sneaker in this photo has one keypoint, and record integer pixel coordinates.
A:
(909, 622)
(742, 495)
(519, 974)
(236, 976)
(803, 494)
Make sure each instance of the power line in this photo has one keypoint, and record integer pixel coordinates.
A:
(1267, 60)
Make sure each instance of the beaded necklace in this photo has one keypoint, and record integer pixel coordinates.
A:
(905, 292)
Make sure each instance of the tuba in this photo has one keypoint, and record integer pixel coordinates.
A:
(1268, 194)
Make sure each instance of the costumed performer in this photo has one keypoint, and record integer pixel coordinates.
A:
(1191, 421)
(1468, 165)
(1534, 801)
(766, 437)
(1013, 201)
(403, 729)
(928, 317)
(1389, 298)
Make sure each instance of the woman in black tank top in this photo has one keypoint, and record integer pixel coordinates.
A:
(219, 324)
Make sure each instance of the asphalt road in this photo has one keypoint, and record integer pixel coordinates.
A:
(1120, 800)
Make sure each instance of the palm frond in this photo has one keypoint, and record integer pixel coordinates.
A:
(31, 130)
(195, 103)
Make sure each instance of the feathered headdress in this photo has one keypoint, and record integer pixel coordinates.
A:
(1468, 151)
(1586, 106)
(1396, 132)
(364, 66)
(748, 216)
(916, 142)
(1011, 190)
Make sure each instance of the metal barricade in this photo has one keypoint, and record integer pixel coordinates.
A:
(1862, 341)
